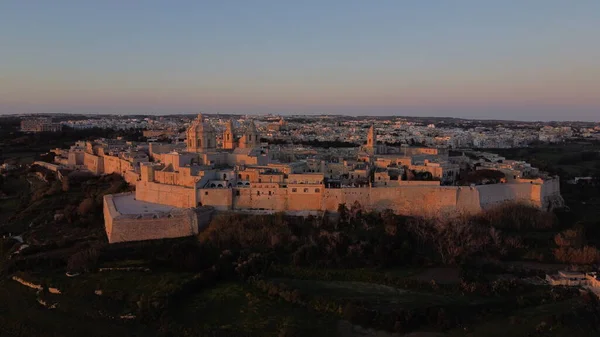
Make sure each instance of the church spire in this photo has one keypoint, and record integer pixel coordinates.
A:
(371, 136)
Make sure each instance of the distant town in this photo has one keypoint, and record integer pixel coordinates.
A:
(432, 132)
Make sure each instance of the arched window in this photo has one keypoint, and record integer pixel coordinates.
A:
(257, 192)
(227, 136)
(239, 176)
(237, 192)
(224, 176)
(259, 180)
(269, 192)
(247, 177)
(306, 190)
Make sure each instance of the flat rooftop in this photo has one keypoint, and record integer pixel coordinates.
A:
(126, 204)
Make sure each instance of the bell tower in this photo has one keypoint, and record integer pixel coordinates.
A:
(371, 146)
(251, 138)
(229, 136)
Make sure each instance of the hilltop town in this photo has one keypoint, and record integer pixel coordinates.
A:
(334, 219)
(226, 167)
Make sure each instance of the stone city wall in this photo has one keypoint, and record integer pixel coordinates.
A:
(93, 163)
(76, 158)
(491, 195)
(131, 177)
(408, 200)
(267, 196)
(177, 196)
(304, 197)
(421, 199)
(426, 200)
(114, 164)
(182, 178)
(219, 198)
(48, 166)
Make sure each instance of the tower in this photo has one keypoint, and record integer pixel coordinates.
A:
(229, 136)
(201, 136)
(251, 137)
(371, 146)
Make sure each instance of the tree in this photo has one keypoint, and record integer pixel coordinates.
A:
(85, 206)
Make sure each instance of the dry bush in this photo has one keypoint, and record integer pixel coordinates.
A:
(584, 255)
(569, 238)
(518, 216)
(83, 261)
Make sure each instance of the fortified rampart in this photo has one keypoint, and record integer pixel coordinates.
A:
(122, 226)
(409, 199)
(173, 195)
(110, 164)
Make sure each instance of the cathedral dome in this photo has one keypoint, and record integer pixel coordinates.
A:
(199, 126)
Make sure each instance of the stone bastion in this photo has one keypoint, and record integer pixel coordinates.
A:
(127, 219)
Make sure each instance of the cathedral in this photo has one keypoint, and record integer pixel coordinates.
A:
(202, 137)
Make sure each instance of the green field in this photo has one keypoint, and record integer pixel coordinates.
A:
(532, 319)
(377, 296)
(18, 302)
(235, 307)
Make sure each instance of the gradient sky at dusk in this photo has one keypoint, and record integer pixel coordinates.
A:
(521, 59)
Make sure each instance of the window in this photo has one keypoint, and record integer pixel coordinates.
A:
(317, 190)
(237, 192)
(206, 193)
(305, 190)
(257, 192)
(294, 189)
(269, 192)
(239, 176)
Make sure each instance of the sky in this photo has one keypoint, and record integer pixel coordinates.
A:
(510, 59)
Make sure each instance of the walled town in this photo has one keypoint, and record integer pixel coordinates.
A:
(353, 223)
(233, 170)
